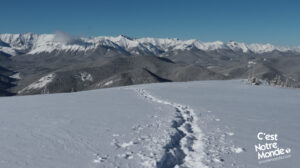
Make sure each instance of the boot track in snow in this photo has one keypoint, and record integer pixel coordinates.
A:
(185, 148)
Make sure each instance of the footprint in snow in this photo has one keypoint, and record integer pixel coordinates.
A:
(237, 149)
(116, 143)
(99, 158)
(127, 144)
(127, 155)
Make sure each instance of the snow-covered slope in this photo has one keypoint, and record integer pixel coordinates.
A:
(190, 124)
(33, 44)
(40, 84)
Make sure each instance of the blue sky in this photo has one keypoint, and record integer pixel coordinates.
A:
(263, 21)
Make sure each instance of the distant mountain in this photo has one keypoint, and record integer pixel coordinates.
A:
(33, 44)
(52, 63)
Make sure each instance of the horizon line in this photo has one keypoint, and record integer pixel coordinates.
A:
(170, 38)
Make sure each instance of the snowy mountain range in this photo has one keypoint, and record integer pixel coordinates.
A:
(53, 63)
(30, 43)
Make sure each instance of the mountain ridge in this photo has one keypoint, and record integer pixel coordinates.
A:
(53, 63)
(30, 43)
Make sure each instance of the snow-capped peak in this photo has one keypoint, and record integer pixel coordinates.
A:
(262, 48)
(31, 43)
(18, 41)
(237, 46)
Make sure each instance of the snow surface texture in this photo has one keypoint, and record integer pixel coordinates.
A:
(34, 44)
(189, 124)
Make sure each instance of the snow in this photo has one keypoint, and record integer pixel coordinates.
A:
(39, 84)
(108, 83)
(237, 150)
(251, 63)
(79, 130)
(124, 41)
(18, 41)
(189, 144)
(60, 41)
(243, 110)
(50, 42)
(84, 76)
(208, 46)
(188, 124)
(16, 76)
(262, 48)
(238, 46)
(8, 50)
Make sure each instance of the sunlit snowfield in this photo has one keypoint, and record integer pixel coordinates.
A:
(189, 124)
